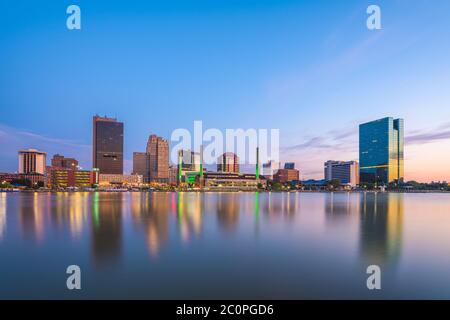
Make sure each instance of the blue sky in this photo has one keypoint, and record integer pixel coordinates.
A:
(310, 68)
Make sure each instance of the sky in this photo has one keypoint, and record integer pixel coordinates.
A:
(309, 68)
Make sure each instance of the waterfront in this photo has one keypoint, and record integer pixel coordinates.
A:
(160, 245)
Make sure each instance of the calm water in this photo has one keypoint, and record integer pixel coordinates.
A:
(224, 245)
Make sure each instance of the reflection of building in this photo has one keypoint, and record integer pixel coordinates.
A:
(31, 216)
(141, 165)
(341, 206)
(120, 179)
(270, 169)
(2, 214)
(150, 211)
(32, 161)
(381, 151)
(232, 181)
(106, 227)
(228, 210)
(59, 161)
(107, 150)
(381, 225)
(228, 162)
(158, 152)
(347, 172)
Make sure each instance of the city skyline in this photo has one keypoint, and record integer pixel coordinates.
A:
(316, 73)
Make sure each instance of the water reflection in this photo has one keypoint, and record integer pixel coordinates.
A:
(2, 215)
(381, 227)
(228, 211)
(150, 213)
(31, 217)
(340, 207)
(106, 229)
(241, 240)
(190, 215)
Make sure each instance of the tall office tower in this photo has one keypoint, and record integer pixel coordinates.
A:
(381, 151)
(107, 152)
(228, 162)
(32, 161)
(158, 152)
(59, 161)
(270, 169)
(345, 171)
(141, 165)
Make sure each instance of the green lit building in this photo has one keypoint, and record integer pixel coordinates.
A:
(381, 151)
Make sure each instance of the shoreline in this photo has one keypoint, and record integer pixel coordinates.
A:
(223, 191)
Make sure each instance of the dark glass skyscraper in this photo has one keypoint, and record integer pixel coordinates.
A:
(381, 151)
(107, 151)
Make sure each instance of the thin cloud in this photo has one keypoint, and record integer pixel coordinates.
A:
(428, 137)
(14, 139)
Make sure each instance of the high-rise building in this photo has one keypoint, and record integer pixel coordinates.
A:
(107, 153)
(347, 172)
(381, 151)
(158, 152)
(270, 169)
(32, 161)
(59, 161)
(228, 162)
(141, 165)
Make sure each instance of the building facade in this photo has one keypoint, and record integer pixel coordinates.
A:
(69, 178)
(158, 152)
(381, 155)
(141, 165)
(59, 161)
(287, 175)
(107, 152)
(228, 162)
(32, 178)
(32, 161)
(270, 169)
(188, 166)
(347, 172)
(120, 179)
(231, 181)
(289, 165)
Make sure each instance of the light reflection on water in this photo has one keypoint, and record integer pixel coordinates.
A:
(224, 245)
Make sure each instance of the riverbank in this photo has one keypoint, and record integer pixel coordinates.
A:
(223, 190)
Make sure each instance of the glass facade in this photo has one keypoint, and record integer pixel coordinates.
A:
(108, 145)
(381, 151)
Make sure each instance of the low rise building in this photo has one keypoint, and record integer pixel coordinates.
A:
(232, 181)
(287, 175)
(347, 172)
(69, 178)
(120, 179)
